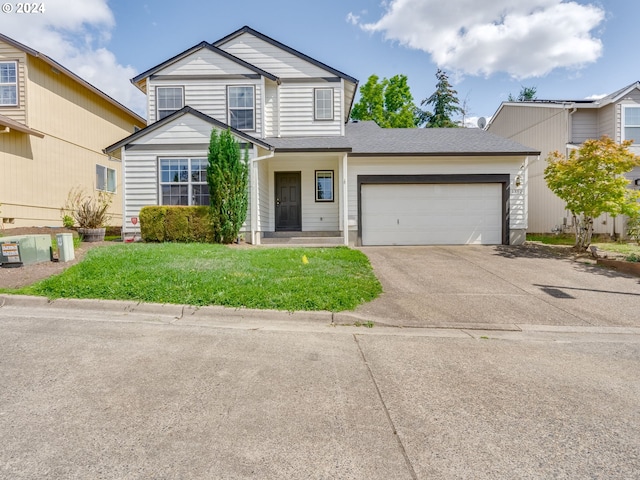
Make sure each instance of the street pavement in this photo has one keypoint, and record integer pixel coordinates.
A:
(104, 390)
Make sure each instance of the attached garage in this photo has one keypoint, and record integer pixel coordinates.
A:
(433, 209)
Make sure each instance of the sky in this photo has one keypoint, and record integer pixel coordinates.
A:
(565, 49)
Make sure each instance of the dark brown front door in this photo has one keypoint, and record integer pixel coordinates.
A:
(288, 216)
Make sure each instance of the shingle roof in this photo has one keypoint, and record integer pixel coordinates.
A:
(310, 144)
(366, 138)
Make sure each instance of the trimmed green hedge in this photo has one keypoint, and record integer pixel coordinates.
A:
(176, 224)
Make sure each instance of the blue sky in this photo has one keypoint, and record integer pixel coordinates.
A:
(566, 49)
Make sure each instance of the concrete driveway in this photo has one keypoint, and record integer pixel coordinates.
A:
(496, 287)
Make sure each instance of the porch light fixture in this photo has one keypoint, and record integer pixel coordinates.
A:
(518, 181)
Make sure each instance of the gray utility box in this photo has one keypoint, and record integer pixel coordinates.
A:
(32, 248)
(65, 247)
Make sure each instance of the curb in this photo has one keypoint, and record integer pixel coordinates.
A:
(183, 313)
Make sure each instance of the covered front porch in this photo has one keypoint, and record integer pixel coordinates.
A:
(299, 198)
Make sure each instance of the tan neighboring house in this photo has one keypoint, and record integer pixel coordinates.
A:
(53, 127)
(563, 125)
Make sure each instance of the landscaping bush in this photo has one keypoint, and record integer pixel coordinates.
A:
(176, 224)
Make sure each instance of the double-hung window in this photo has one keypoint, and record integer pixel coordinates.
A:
(631, 118)
(105, 179)
(242, 112)
(324, 185)
(323, 101)
(169, 100)
(9, 84)
(183, 181)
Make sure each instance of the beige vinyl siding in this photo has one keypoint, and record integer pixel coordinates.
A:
(77, 124)
(271, 110)
(440, 166)
(316, 216)
(606, 121)
(584, 125)
(208, 97)
(297, 110)
(270, 58)
(9, 53)
(546, 129)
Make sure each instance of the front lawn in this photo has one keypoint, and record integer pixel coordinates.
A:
(331, 279)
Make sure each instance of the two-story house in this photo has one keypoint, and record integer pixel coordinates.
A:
(53, 128)
(563, 125)
(312, 173)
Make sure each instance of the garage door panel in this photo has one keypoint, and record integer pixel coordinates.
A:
(431, 214)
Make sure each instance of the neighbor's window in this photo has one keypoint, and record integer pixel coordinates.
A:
(631, 118)
(105, 179)
(9, 83)
(323, 99)
(169, 100)
(242, 108)
(183, 181)
(324, 185)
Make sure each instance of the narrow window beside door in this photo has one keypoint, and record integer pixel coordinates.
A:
(324, 185)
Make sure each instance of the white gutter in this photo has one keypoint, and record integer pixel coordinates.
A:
(254, 195)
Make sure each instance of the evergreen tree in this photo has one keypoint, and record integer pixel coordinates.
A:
(228, 179)
(526, 94)
(445, 103)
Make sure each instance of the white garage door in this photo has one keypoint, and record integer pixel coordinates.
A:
(431, 214)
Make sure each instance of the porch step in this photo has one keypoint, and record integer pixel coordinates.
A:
(302, 238)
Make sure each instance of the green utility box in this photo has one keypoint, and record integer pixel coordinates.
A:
(32, 248)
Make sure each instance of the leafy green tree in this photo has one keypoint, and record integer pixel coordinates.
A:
(445, 103)
(388, 102)
(526, 94)
(591, 181)
(228, 179)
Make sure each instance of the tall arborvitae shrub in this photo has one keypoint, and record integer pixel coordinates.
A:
(228, 179)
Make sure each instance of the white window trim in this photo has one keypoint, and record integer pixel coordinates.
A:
(158, 88)
(333, 186)
(106, 171)
(624, 123)
(253, 87)
(189, 182)
(315, 105)
(15, 84)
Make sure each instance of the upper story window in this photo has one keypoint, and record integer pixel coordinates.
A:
(242, 112)
(631, 123)
(323, 103)
(169, 100)
(8, 83)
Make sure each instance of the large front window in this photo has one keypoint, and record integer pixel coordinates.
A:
(631, 118)
(183, 181)
(242, 114)
(8, 83)
(170, 100)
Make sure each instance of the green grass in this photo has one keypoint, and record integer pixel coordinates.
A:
(334, 279)
(563, 239)
(628, 249)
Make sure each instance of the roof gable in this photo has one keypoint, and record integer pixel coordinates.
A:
(243, 43)
(228, 64)
(158, 129)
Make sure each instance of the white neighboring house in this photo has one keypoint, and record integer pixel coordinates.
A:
(563, 125)
(312, 173)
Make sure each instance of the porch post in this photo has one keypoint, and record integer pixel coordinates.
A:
(345, 201)
(254, 201)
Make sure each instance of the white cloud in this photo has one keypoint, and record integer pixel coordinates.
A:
(353, 19)
(527, 38)
(596, 96)
(75, 34)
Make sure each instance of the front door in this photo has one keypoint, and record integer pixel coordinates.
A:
(288, 217)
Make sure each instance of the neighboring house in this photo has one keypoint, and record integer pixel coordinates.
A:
(312, 173)
(53, 127)
(563, 125)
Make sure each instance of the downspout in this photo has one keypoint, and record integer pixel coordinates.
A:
(345, 201)
(254, 195)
